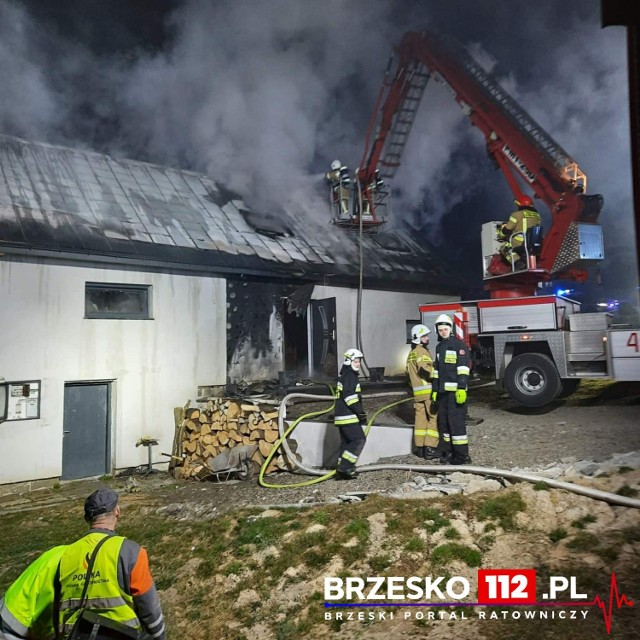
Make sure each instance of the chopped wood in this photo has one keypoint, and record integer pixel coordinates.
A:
(265, 447)
(191, 425)
(232, 410)
(223, 438)
(271, 435)
(250, 407)
(192, 414)
(272, 415)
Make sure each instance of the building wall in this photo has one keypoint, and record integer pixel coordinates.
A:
(156, 364)
(383, 322)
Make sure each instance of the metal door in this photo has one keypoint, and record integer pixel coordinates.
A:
(323, 334)
(85, 447)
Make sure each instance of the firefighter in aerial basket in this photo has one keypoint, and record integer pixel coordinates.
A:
(513, 233)
(420, 372)
(450, 378)
(350, 417)
(339, 180)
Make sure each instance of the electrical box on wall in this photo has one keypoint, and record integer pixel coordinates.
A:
(23, 400)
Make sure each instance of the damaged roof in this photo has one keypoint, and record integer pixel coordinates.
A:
(89, 206)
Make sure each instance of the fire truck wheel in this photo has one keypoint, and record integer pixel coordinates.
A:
(532, 380)
(569, 387)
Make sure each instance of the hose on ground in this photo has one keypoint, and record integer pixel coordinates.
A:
(325, 474)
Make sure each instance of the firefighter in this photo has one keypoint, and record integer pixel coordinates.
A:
(350, 417)
(420, 370)
(340, 182)
(370, 193)
(450, 377)
(513, 233)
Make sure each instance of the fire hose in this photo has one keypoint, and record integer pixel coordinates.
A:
(324, 474)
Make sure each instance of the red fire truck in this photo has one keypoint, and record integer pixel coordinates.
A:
(540, 346)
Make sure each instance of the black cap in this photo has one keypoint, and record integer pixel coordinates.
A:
(99, 502)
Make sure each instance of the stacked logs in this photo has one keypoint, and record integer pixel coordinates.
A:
(222, 424)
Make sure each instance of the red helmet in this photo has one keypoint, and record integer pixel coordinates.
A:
(524, 201)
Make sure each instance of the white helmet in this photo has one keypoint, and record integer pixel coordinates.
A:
(335, 165)
(418, 331)
(350, 354)
(443, 318)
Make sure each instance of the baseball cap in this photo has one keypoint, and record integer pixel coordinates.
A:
(99, 502)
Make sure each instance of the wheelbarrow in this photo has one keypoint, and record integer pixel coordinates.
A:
(232, 463)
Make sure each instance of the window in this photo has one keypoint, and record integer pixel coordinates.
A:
(123, 301)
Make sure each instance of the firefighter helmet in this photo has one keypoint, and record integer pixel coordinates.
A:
(418, 331)
(524, 201)
(335, 165)
(443, 318)
(352, 354)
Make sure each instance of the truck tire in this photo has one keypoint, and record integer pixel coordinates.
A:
(569, 387)
(532, 380)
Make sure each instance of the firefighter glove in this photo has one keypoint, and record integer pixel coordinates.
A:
(461, 396)
(363, 418)
(434, 396)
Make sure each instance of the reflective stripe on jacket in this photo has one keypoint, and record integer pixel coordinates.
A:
(104, 595)
(27, 606)
(451, 367)
(419, 362)
(348, 398)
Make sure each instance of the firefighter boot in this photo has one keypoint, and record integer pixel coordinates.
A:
(445, 457)
(430, 453)
(346, 474)
(460, 459)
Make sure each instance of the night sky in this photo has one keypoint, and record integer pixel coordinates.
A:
(263, 95)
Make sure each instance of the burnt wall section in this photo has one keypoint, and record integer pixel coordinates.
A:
(255, 336)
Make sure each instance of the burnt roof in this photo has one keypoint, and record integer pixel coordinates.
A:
(57, 201)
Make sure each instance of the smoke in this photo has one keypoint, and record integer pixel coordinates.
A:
(264, 95)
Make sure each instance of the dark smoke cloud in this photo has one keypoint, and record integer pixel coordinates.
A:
(263, 95)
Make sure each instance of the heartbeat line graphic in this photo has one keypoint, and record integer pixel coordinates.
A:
(607, 609)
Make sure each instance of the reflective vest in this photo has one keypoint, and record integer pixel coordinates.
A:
(104, 595)
(28, 603)
(419, 358)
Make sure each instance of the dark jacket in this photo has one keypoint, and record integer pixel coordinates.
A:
(349, 409)
(451, 366)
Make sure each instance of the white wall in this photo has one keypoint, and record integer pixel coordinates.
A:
(156, 364)
(383, 322)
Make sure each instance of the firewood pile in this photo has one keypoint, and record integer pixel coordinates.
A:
(203, 433)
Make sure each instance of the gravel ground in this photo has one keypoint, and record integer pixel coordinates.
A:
(598, 421)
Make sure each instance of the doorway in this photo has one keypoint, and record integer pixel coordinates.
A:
(86, 432)
(324, 339)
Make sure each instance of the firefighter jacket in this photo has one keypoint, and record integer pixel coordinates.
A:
(26, 611)
(348, 399)
(120, 588)
(451, 367)
(520, 221)
(420, 371)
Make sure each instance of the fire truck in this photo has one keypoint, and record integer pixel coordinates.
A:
(539, 346)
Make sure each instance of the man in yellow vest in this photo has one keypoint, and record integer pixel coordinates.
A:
(120, 587)
(26, 611)
(419, 370)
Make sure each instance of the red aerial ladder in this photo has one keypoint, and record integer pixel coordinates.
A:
(530, 160)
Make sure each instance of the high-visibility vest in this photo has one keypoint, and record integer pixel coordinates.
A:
(104, 594)
(27, 606)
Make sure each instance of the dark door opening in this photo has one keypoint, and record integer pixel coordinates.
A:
(296, 343)
(85, 445)
(324, 338)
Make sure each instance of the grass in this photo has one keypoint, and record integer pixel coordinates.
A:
(502, 508)
(585, 520)
(446, 553)
(558, 534)
(627, 491)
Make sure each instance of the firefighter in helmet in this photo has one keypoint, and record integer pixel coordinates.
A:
(350, 417)
(420, 371)
(513, 233)
(450, 377)
(340, 182)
